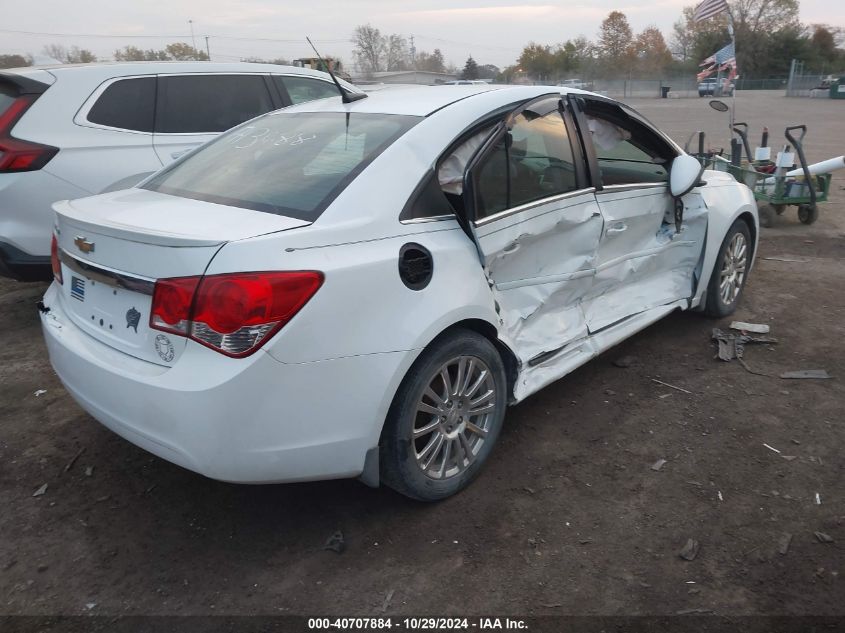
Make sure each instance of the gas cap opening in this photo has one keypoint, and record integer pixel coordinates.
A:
(415, 266)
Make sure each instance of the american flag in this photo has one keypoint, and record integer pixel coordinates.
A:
(708, 9)
(725, 55)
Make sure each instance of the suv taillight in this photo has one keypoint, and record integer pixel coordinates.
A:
(234, 314)
(16, 154)
(54, 260)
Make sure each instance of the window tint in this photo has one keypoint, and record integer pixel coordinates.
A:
(301, 89)
(209, 103)
(288, 163)
(628, 151)
(532, 161)
(128, 104)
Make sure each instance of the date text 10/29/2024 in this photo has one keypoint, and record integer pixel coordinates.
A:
(416, 624)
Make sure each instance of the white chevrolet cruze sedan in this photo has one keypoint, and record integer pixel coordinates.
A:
(360, 289)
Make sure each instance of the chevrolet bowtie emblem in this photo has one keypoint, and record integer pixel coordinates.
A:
(84, 245)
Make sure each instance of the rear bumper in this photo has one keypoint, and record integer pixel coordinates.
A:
(252, 420)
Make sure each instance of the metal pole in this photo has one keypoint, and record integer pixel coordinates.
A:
(791, 77)
(193, 39)
(736, 65)
(207, 49)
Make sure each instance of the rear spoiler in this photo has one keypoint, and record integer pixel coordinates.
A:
(24, 84)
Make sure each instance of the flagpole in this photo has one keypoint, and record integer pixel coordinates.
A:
(732, 33)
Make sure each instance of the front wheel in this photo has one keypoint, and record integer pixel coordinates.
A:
(730, 271)
(445, 418)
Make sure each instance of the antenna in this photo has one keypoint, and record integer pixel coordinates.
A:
(346, 97)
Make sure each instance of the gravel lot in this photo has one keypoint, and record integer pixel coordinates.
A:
(569, 517)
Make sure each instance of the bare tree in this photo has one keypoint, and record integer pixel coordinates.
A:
(396, 56)
(370, 48)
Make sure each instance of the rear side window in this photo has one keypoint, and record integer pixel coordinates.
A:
(288, 163)
(196, 104)
(301, 89)
(8, 94)
(128, 104)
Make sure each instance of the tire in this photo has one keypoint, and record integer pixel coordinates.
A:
(808, 213)
(766, 214)
(731, 268)
(455, 442)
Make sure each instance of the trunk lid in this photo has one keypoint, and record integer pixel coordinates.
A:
(113, 248)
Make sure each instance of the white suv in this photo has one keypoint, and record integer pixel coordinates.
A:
(72, 131)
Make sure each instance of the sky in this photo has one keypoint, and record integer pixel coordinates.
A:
(492, 31)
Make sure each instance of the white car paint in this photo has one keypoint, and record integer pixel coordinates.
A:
(94, 158)
(311, 403)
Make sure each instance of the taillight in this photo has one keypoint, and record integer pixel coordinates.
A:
(234, 314)
(172, 299)
(16, 154)
(54, 260)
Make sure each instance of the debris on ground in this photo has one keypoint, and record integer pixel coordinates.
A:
(789, 458)
(387, 600)
(732, 345)
(791, 260)
(624, 361)
(40, 491)
(690, 550)
(70, 464)
(771, 448)
(658, 464)
(806, 374)
(530, 491)
(823, 538)
(336, 543)
(39, 392)
(818, 499)
(719, 494)
(755, 328)
(666, 384)
(783, 543)
(89, 470)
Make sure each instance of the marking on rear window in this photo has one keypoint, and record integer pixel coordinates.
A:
(77, 288)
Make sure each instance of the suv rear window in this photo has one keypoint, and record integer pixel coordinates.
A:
(8, 94)
(127, 104)
(287, 163)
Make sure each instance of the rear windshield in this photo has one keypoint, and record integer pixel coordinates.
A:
(8, 94)
(291, 164)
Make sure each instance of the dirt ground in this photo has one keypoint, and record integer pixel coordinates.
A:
(568, 518)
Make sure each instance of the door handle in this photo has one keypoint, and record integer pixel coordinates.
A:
(616, 229)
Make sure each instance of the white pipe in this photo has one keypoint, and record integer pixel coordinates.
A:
(824, 167)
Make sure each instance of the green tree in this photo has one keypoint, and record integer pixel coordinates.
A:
(652, 54)
(615, 43)
(14, 61)
(180, 51)
(470, 70)
(135, 54)
(538, 61)
(432, 62)
(72, 55)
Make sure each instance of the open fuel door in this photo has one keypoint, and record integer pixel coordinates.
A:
(537, 227)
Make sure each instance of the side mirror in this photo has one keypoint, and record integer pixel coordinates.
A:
(684, 174)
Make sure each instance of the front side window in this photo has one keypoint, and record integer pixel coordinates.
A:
(287, 163)
(533, 160)
(127, 104)
(627, 151)
(197, 104)
(302, 89)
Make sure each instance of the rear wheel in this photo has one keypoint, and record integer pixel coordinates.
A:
(730, 272)
(808, 213)
(445, 418)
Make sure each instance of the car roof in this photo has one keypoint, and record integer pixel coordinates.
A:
(425, 100)
(108, 70)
